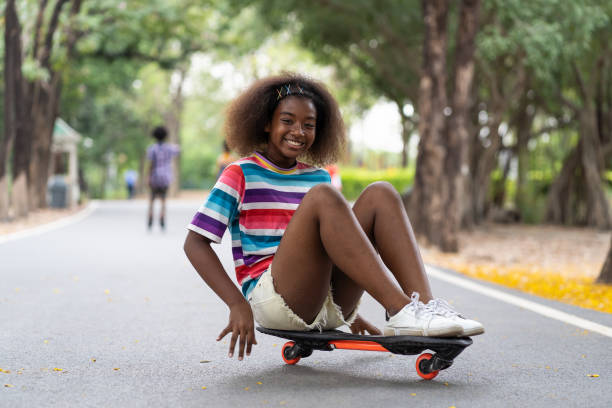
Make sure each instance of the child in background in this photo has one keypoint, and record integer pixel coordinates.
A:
(160, 157)
(303, 256)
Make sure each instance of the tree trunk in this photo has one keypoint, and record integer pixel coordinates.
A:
(605, 276)
(523, 122)
(559, 203)
(173, 122)
(598, 211)
(576, 196)
(485, 165)
(426, 205)
(455, 165)
(45, 109)
(407, 127)
(15, 126)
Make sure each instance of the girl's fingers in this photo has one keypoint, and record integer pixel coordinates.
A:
(224, 333)
(233, 343)
(242, 345)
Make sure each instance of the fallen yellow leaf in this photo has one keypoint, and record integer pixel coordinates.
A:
(9, 385)
(203, 387)
(593, 375)
(58, 369)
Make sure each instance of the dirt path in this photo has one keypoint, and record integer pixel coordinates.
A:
(571, 252)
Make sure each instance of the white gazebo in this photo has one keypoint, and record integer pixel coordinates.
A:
(64, 161)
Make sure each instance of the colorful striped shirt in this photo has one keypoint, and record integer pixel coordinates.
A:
(256, 200)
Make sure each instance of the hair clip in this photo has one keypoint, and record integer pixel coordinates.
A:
(285, 90)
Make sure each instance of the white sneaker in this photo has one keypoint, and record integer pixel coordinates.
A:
(415, 319)
(440, 307)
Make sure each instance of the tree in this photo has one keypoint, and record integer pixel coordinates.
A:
(605, 275)
(577, 193)
(13, 111)
(457, 128)
(437, 196)
(31, 104)
(372, 47)
(166, 32)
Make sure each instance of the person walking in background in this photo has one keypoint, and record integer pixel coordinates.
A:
(160, 157)
(131, 177)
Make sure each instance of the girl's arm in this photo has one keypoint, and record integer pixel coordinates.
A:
(209, 267)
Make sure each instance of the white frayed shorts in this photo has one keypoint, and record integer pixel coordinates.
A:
(271, 311)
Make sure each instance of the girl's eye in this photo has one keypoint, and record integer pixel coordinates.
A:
(287, 121)
(309, 126)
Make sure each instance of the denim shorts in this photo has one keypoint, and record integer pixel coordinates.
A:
(271, 311)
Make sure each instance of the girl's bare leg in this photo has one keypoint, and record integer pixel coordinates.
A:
(382, 216)
(150, 212)
(324, 232)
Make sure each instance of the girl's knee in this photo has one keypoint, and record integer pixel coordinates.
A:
(325, 194)
(382, 190)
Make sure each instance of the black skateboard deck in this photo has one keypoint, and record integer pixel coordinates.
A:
(445, 349)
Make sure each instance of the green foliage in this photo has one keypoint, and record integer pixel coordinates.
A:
(354, 180)
(534, 195)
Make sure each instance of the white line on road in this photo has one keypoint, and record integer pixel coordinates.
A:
(517, 301)
(63, 222)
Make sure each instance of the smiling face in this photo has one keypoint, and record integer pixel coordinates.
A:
(291, 131)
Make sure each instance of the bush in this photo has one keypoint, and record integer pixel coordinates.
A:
(354, 180)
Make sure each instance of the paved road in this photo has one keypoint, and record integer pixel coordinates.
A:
(123, 315)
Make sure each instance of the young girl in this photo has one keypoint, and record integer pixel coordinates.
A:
(303, 256)
(160, 156)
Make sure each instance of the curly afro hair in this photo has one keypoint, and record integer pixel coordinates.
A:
(253, 109)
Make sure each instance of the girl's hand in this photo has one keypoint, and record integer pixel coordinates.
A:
(241, 326)
(361, 325)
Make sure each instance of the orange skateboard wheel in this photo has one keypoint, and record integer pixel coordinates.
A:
(423, 358)
(286, 353)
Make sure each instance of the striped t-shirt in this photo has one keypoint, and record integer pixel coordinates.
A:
(256, 200)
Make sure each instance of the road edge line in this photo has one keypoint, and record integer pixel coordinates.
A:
(62, 222)
(518, 301)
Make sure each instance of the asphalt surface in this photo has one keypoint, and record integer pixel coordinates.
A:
(104, 313)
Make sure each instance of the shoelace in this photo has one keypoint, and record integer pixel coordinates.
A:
(441, 307)
(421, 310)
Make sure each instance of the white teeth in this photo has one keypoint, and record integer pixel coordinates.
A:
(294, 143)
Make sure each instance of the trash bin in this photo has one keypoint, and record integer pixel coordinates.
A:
(58, 191)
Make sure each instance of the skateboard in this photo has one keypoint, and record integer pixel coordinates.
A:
(428, 365)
